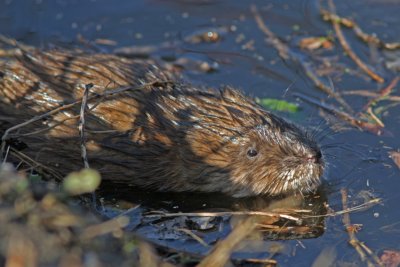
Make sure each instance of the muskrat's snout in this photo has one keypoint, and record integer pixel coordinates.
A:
(314, 157)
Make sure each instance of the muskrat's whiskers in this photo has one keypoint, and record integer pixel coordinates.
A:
(325, 130)
(345, 147)
(318, 129)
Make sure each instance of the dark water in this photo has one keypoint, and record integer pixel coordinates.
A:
(359, 162)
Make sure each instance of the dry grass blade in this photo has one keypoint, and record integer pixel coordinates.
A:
(220, 254)
(149, 258)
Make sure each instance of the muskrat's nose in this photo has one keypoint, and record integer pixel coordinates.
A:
(314, 157)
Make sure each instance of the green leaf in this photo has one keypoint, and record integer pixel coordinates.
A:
(278, 105)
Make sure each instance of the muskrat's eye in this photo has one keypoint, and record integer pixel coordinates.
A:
(252, 152)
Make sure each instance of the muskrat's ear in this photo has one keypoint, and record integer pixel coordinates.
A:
(230, 94)
(238, 107)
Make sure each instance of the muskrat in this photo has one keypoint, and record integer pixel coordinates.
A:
(159, 132)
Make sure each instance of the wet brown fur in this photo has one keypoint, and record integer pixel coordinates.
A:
(168, 135)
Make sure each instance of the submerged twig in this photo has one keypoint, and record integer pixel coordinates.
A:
(352, 120)
(368, 38)
(347, 48)
(359, 246)
(285, 52)
(367, 93)
(193, 235)
(278, 44)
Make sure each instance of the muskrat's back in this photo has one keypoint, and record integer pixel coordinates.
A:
(157, 132)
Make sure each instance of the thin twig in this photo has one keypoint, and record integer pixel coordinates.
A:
(81, 126)
(6, 154)
(68, 106)
(35, 164)
(34, 119)
(360, 207)
(223, 213)
(383, 93)
(347, 48)
(17, 135)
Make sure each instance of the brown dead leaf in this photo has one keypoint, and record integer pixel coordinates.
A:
(395, 157)
(312, 43)
(391, 258)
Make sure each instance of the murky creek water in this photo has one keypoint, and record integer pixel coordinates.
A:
(241, 58)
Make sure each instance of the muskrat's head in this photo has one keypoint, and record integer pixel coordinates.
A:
(275, 158)
(233, 145)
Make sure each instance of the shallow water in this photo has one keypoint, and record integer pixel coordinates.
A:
(358, 162)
